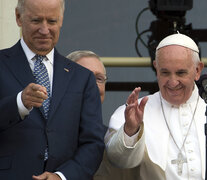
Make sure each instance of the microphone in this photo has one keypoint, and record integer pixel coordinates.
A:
(202, 86)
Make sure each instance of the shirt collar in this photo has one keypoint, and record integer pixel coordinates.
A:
(194, 95)
(30, 55)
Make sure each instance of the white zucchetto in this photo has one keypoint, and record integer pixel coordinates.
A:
(178, 39)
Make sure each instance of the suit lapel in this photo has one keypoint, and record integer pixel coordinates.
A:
(62, 74)
(19, 66)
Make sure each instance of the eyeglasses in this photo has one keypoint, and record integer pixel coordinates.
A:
(100, 78)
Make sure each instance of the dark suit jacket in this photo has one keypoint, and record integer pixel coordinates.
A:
(74, 131)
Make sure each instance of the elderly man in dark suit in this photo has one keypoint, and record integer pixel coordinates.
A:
(50, 109)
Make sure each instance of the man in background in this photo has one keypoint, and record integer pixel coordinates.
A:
(91, 61)
(51, 125)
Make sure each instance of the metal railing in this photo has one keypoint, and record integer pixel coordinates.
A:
(151, 87)
(131, 61)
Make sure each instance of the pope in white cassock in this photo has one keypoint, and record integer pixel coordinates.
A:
(163, 134)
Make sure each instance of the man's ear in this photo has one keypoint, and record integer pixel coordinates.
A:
(199, 69)
(155, 64)
(18, 17)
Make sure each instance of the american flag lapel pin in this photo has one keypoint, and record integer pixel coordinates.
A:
(67, 70)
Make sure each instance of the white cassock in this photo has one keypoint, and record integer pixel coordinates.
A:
(155, 149)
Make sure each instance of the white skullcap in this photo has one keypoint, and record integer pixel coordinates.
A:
(178, 39)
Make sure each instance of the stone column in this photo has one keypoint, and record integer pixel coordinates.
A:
(9, 31)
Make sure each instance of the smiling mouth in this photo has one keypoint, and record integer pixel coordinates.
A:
(174, 92)
(43, 39)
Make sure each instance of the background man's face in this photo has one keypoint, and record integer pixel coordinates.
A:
(94, 65)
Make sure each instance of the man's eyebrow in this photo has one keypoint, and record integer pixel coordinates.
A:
(163, 69)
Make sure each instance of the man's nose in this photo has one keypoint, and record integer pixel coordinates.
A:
(173, 81)
(44, 29)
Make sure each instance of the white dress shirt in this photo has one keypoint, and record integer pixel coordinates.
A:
(23, 111)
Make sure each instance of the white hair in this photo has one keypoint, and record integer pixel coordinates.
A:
(76, 55)
(20, 5)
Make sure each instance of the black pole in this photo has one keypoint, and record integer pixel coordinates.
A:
(206, 140)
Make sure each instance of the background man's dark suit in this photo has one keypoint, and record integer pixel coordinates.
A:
(73, 130)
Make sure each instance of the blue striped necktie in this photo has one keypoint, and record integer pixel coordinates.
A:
(41, 77)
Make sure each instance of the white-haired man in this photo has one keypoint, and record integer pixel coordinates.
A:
(163, 133)
(51, 124)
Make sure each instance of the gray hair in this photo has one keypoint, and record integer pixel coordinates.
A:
(76, 55)
(21, 3)
(194, 55)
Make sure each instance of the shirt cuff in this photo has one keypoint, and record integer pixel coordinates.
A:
(23, 111)
(130, 141)
(62, 177)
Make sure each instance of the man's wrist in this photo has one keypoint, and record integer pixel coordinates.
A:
(62, 177)
(23, 111)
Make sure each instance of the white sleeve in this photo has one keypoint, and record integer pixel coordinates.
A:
(118, 152)
(23, 111)
(130, 141)
(117, 119)
(124, 156)
(61, 175)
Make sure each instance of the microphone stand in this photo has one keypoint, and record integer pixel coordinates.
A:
(205, 127)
